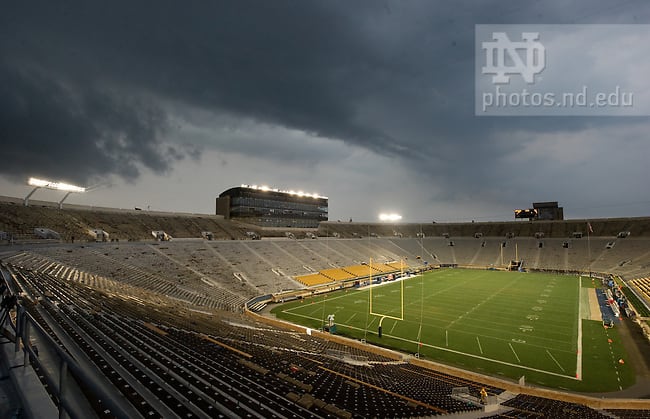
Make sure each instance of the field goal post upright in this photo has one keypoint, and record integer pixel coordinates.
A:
(381, 315)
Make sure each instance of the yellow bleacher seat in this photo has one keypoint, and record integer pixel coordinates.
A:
(337, 274)
(313, 279)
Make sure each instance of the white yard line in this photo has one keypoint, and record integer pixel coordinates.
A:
(479, 345)
(513, 351)
(555, 360)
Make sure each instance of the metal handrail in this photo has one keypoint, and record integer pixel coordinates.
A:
(25, 325)
(25, 322)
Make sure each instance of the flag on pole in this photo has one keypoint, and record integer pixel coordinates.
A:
(591, 230)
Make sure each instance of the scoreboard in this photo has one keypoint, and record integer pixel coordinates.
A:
(530, 213)
(541, 211)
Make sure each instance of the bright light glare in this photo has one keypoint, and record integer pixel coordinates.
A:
(37, 182)
(267, 188)
(54, 185)
(390, 217)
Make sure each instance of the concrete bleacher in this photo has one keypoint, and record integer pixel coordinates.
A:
(383, 242)
(76, 222)
(260, 267)
(606, 227)
(331, 253)
(256, 268)
(106, 272)
(353, 251)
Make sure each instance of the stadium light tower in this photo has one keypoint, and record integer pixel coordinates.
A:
(59, 186)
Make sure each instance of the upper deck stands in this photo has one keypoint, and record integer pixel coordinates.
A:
(262, 267)
(74, 222)
(605, 227)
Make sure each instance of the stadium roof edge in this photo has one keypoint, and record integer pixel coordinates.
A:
(50, 204)
(572, 220)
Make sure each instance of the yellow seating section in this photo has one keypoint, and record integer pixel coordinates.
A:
(311, 280)
(337, 274)
(348, 272)
(396, 265)
(384, 268)
(359, 270)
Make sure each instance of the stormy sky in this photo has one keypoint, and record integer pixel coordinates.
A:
(165, 104)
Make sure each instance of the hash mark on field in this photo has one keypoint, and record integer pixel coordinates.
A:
(556, 363)
(479, 345)
(513, 351)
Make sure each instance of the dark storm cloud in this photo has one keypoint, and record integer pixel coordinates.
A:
(84, 80)
(76, 78)
(53, 128)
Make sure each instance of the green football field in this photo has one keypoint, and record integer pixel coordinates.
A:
(501, 323)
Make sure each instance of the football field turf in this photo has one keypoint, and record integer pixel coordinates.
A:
(505, 323)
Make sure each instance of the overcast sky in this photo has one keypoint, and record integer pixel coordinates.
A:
(165, 104)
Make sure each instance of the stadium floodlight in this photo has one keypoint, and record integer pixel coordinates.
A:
(389, 217)
(266, 188)
(59, 186)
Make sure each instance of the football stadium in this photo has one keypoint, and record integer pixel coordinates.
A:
(132, 313)
(324, 209)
